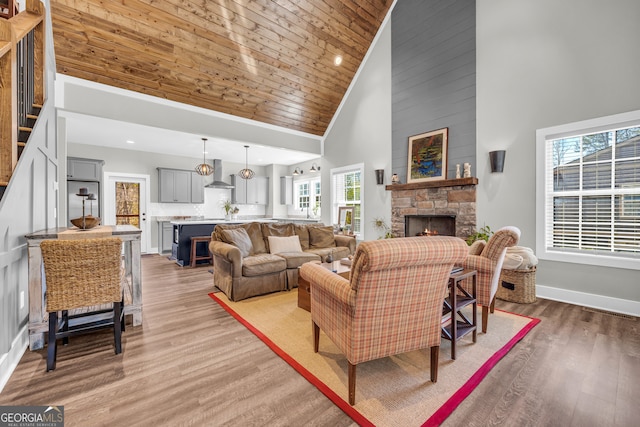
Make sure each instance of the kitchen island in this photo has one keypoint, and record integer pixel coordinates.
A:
(184, 230)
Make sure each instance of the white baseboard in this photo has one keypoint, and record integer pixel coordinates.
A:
(601, 302)
(9, 361)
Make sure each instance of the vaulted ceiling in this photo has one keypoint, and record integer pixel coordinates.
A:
(270, 61)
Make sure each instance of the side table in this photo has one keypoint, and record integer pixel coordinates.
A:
(460, 324)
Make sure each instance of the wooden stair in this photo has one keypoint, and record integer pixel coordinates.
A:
(22, 90)
(24, 132)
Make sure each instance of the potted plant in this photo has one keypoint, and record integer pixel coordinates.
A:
(226, 205)
(234, 213)
(483, 233)
(381, 225)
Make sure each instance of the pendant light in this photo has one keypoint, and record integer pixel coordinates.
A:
(246, 173)
(204, 169)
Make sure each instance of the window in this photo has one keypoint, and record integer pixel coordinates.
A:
(347, 191)
(589, 206)
(308, 196)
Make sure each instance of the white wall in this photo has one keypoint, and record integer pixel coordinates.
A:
(542, 63)
(361, 133)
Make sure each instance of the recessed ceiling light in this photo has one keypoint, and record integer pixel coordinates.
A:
(337, 60)
(130, 141)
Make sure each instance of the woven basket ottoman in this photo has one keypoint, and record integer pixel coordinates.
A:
(517, 286)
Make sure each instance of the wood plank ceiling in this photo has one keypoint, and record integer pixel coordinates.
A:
(270, 61)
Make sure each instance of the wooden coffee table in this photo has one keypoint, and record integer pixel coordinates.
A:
(304, 287)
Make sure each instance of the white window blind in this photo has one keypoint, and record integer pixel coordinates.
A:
(592, 194)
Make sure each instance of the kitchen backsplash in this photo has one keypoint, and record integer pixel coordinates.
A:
(211, 208)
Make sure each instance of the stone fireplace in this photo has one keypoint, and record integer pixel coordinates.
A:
(450, 200)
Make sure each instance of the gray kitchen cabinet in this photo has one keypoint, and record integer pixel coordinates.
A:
(254, 191)
(258, 191)
(174, 186)
(165, 236)
(239, 192)
(197, 188)
(84, 169)
(286, 190)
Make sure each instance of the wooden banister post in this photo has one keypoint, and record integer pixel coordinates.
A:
(37, 7)
(8, 102)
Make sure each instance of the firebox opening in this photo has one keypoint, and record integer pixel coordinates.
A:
(429, 225)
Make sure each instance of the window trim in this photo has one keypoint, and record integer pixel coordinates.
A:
(310, 181)
(599, 124)
(334, 204)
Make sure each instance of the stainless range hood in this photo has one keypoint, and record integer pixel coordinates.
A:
(217, 176)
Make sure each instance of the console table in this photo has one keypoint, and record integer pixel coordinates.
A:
(130, 235)
(460, 324)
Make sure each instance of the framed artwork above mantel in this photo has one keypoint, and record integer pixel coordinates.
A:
(427, 160)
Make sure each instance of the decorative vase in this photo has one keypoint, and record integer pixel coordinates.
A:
(467, 170)
(227, 217)
(329, 257)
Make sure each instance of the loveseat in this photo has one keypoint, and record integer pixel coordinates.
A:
(257, 258)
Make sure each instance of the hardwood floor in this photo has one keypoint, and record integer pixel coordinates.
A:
(192, 364)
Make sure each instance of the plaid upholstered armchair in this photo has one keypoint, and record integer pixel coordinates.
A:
(487, 260)
(391, 304)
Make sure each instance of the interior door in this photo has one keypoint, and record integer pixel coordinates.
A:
(126, 201)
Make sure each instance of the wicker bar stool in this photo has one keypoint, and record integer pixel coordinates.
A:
(82, 273)
(194, 253)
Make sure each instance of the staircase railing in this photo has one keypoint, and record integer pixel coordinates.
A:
(22, 91)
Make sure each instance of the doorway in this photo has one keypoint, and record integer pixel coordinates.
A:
(126, 201)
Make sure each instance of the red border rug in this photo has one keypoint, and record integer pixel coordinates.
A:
(436, 417)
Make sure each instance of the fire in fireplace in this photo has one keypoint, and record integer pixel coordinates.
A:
(429, 225)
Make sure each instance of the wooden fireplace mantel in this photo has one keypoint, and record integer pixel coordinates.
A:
(433, 184)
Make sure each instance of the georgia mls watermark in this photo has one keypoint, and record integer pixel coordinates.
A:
(31, 416)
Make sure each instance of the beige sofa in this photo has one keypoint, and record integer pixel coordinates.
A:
(246, 265)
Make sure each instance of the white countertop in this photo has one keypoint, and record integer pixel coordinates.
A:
(239, 221)
(294, 219)
(219, 221)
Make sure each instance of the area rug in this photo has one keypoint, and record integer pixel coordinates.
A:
(392, 391)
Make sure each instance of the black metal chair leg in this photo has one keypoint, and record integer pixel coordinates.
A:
(122, 323)
(52, 348)
(117, 331)
(65, 326)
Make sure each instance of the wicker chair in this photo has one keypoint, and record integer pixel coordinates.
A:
(487, 261)
(392, 302)
(82, 273)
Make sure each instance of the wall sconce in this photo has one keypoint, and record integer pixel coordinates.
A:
(314, 168)
(379, 176)
(497, 160)
(297, 171)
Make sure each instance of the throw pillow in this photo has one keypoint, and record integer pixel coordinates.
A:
(303, 232)
(321, 237)
(276, 229)
(238, 237)
(284, 244)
